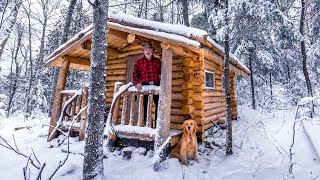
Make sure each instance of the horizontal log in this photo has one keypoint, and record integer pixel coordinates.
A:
(177, 75)
(208, 106)
(187, 101)
(199, 113)
(218, 82)
(176, 119)
(214, 117)
(198, 89)
(176, 111)
(177, 104)
(199, 105)
(210, 112)
(116, 66)
(116, 72)
(188, 109)
(187, 85)
(188, 77)
(210, 93)
(197, 81)
(116, 61)
(116, 78)
(188, 62)
(177, 81)
(197, 97)
(177, 68)
(177, 89)
(177, 96)
(188, 70)
(177, 61)
(214, 99)
(189, 116)
(187, 93)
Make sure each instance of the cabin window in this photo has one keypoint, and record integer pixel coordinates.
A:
(209, 79)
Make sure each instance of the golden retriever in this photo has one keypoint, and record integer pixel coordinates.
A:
(188, 145)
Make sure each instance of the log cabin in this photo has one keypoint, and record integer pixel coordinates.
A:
(191, 81)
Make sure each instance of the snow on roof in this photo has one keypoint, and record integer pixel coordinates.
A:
(232, 56)
(174, 37)
(178, 33)
(160, 26)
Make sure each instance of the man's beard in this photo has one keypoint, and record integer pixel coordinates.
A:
(148, 56)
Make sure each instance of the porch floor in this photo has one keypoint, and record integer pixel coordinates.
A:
(142, 136)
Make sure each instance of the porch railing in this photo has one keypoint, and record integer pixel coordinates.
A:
(132, 107)
(73, 103)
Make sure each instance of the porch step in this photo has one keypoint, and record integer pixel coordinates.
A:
(145, 134)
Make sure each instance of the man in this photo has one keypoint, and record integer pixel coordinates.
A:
(147, 71)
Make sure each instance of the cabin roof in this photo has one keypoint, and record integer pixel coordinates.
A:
(120, 25)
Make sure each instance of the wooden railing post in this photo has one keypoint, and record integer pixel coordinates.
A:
(164, 107)
(57, 103)
(124, 109)
(141, 111)
(83, 120)
(149, 111)
(115, 114)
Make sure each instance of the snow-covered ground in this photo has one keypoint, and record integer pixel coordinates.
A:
(261, 147)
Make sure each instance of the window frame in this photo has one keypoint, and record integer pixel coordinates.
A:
(205, 82)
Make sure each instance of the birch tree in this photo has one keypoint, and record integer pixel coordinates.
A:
(9, 11)
(93, 159)
(227, 83)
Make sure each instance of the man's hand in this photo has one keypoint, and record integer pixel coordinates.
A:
(139, 86)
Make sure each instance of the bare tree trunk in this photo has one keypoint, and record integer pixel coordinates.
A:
(28, 90)
(14, 76)
(64, 39)
(93, 150)
(185, 12)
(7, 25)
(146, 9)
(253, 103)
(303, 49)
(227, 85)
(270, 80)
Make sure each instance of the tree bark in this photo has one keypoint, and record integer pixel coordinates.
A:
(253, 102)
(227, 86)
(270, 80)
(185, 12)
(93, 159)
(7, 25)
(303, 49)
(14, 76)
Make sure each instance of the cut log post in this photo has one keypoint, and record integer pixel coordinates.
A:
(83, 120)
(57, 104)
(73, 109)
(115, 115)
(149, 111)
(164, 108)
(132, 109)
(124, 109)
(131, 38)
(188, 109)
(141, 111)
(79, 108)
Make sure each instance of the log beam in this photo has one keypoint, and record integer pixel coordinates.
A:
(164, 108)
(57, 103)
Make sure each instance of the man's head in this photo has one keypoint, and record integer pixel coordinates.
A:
(148, 51)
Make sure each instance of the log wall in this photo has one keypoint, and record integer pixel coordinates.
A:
(116, 71)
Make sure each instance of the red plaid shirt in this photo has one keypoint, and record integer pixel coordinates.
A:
(147, 70)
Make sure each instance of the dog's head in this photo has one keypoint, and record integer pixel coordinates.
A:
(189, 126)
